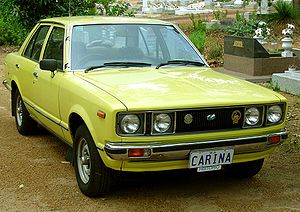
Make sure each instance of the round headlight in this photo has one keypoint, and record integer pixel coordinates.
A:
(162, 122)
(252, 116)
(274, 114)
(130, 124)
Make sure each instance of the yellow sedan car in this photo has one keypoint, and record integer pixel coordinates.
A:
(136, 95)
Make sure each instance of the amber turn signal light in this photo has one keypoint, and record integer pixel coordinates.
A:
(101, 114)
(144, 153)
(136, 152)
(274, 139)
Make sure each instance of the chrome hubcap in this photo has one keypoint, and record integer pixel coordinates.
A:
(19, 112)
(83, 160)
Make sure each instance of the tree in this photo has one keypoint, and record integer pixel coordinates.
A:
(32, 11)
(113, 8)
(17, 17)
(104, 5)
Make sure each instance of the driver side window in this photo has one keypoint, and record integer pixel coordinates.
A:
(55, 46)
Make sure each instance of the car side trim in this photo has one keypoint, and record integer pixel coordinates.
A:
(43, 114)
(162, 151)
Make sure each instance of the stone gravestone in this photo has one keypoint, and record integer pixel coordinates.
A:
(264, 8)
(248, 56)
(208, 2)
(289, 81)
(145, 7)
(238, 3)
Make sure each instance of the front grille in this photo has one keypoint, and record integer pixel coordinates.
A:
(201, 122)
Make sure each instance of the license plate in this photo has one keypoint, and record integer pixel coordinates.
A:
(210, 160)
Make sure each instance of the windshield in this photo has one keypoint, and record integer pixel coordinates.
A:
(95, 45)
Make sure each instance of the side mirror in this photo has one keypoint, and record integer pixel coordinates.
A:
(48, 64)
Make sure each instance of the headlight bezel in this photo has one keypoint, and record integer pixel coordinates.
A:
(283, 108)
(261, 110)
(170, 130)
(140, 131)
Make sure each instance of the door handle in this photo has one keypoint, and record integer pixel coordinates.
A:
(35, 74)
(17, 66)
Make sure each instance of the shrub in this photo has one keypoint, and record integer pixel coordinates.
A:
(198, 38)
(214, 49)
(32, 11)
(219, 15)
(242, 27)
(17, 17)
(285, 13)
(13, 33)
(113, 8)
(198, 23)
(12, 30)
(275, 86)
(118, 9)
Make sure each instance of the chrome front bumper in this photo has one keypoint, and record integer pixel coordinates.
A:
(179, 151)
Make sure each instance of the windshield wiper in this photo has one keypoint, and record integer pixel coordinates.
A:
(123, 64)
(181, 62)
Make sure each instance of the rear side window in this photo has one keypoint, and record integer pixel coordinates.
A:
(34, 48)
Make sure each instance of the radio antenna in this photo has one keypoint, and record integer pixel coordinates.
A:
(68, 38)
(69, 10)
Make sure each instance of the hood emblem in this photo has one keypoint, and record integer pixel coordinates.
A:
(236, 116)
(188, 118)
(211, 117)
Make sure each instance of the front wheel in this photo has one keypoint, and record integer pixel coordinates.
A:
(245, 169)
(25, 124)
(93, 177)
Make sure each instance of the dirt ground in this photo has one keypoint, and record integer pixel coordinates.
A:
(35, 177)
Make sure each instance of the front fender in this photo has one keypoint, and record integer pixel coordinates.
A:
(80, 111)
(97, 137)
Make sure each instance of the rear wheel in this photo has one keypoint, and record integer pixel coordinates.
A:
(245, 169)
(93, 177)
(25, 124)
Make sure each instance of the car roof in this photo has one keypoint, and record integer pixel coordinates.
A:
(79, 20)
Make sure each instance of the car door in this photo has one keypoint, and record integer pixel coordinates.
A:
(27, 63)
(46, 83)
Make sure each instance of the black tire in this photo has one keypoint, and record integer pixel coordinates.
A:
(25, 124)
(93, 177)
(245, 169)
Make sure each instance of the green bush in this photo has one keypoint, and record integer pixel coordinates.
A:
(242, 27)
(12, 31)
(220, 15)
(275, 86)
(285, 13)
(198, 35)
(118, 9)
(198, 23)
(17, 17)
(32, 11)
(198, 38)
(214, 49)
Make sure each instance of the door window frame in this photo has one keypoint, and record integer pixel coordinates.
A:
(33, 35)
(46, 42)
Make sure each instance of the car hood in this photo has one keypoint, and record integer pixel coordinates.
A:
(176, 87)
